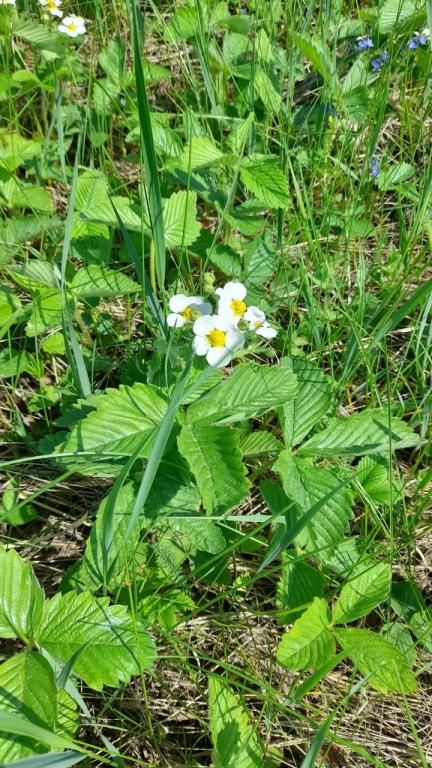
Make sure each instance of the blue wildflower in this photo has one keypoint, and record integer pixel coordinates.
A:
(413, 43)
(243, 9)
(378, 61)
(374, 167)
(363, 43)
(420, 38)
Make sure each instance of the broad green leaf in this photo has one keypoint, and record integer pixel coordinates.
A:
(41, 35)
(214, 457)
(182, 24)
(365, 432)
(199, 153)
(27, 689)
(95, 281)
(263, 177)
(67, 722)
(368, 586)
(394, 175)
(309, 643)
(374, 474)
(259, 442)
(13, 362)
(373, 655)
(299, 583)
(401, 637)
(313, 400)
(112, 645)
(399, 13)
(316, 53)
(10, 309)
(35, 275)
(421, 625)
(112, 61)
(119, 423)
(46, 311)
(267, 91)
(236, 742)
(249, 391)
(20, 195)
(406, 599)
(95, 203)
(180, 219)
(21, 597)
(260, 263)
(15, 149)
(306, 485)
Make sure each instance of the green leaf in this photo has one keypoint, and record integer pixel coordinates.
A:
(298, 585)
(394, 14)
(51, 760)
(249, 391)
(267, 91)
(13, 362)
(15, 149)
(214, 457)
(365, 432)
(401, 637)
(21, 597)
(112, 645)
(313, 400)
(421, 624)
(120, 421)
(27, 689)
(93, 199)
(180, 219)
(259, 442)
(199, 153)
(261, 261)
(374, 474)
(95, 281)
(376, 656)
(309, 643)
(263, 177)
(317, 54)
(46, 311)
(394, 175)
(368, 586)
(35, 275)
(235, 740)
(306, 486)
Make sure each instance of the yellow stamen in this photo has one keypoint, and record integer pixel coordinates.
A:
(238, 307)
(257, 325)
(216, 338)
(72, 27)
(187, 313)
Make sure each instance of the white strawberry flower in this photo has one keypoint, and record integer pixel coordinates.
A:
(186, 309)
(72, 25)
(231, 301)
(7, 2)
(217, 338)
(258, 324)
(52, 6)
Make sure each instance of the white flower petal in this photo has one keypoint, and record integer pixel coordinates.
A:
(234, 339)
(180, 302)
(200, 345)
(204, 308)
(266, 331)
(175, 321)
(218, 356)
(234, 290)
(254, 315)
(204, 324)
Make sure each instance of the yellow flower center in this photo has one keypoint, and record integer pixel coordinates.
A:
(216, 338)
(257, 325)
(238, 307)
(187, 313)
(72, 27)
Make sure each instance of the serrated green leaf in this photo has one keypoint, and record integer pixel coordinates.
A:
(199, 153)
(120, 420)
(374, 655)
(298, 585)
(260, 263)
(365, 432)
(394, 175)
(113, 646)
(15, 149)
(263, 177)
(421, 624)
(313, 400)
(367, 587)
(400, 637)
(306, 485)
(309, 643)
(373, 473)
(259, 442)
(316, 53)
(46, 311)
(394, 14)
(27, 689)
(94, 201)
(180, 219)
(235, 741)
(21, 597)
(13, 362)
(249, 391)
(35, 275)
(214, 457)
(98, 281)
(267, 91)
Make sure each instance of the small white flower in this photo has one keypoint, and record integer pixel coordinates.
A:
(185, 309)
(72, 25)
(52, 6)
(216, 338)
(258, 323)
(7, 2)
(231, 301)
(426, 32)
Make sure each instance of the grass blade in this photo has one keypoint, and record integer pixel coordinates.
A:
(51, 760)
(149, 156)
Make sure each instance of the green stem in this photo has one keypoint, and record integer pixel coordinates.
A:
(152, 266)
